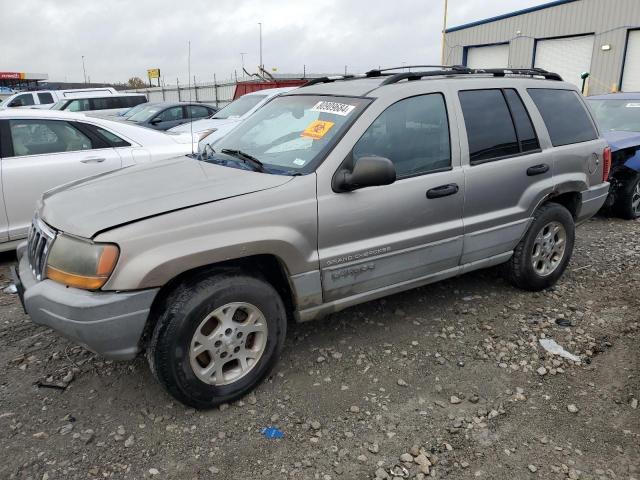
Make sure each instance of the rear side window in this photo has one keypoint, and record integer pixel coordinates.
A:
(490, 130)
(524, 128)
(565, 116)
(104, 103)
(45, 97)
(112, 138)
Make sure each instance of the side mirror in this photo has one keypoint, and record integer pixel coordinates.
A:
(155, 121)
(367, 172)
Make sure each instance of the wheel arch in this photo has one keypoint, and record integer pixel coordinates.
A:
(268, 267)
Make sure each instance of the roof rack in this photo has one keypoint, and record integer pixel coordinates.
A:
(461, 70)
(444, 70)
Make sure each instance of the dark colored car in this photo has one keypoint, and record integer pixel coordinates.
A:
(166, 115)
(618, 115)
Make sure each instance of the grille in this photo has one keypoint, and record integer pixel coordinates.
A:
(39, 243)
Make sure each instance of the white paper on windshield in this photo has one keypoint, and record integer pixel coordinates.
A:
(335, 108)
(632, 105)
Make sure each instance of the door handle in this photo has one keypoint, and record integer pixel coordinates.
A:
(537, 169)
(93, 160)
(443, 191)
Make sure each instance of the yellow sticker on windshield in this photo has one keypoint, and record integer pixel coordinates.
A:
(317, 129)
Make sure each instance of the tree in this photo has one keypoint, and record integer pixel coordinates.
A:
(136, 82)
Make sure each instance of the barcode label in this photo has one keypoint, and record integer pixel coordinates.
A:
(342, 109)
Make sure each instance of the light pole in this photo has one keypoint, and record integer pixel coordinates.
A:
(261, 65)
(84, 72)
(444, 28)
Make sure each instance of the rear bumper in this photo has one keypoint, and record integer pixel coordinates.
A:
(108, 323)
(592, 200)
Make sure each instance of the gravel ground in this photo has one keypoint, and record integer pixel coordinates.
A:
(446, 381)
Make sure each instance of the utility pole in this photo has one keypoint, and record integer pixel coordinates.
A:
(261, 64)
(444, 28)
(84, 72)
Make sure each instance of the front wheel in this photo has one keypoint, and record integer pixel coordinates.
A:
(218, 338)
(542, 255)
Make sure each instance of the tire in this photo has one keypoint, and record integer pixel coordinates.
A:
(628, 202)
(217, 320)
(537, 262)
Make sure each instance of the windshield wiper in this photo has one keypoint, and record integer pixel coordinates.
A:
(257, 165)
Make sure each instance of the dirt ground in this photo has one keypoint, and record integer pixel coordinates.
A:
(446, 381)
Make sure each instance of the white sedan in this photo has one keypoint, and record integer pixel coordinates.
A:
(41, 149)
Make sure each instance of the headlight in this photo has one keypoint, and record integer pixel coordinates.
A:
(80, 263)
(204, 134)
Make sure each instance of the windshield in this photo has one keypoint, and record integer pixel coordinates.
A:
(132, 111)
(621, 115)
(239, 107)
(144, 114)
(59, 105)
(291, 133)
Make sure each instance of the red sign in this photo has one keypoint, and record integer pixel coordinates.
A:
(11, 76)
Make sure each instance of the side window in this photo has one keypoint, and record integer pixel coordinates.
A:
(524, 128)
(22, 100)
(78, 105)
(45, 98)
(413, 133)
(37, 137)
(171, 114)
(112, 138)
(196, 111)
(490, 130)
(565, 116)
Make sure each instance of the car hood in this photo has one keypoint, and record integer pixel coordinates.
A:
(619, 140)
(205, 124)
(92, 205)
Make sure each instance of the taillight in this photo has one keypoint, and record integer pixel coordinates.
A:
(606, 163)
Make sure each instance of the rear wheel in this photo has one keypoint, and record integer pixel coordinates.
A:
(217, 339)
(628, 201)
(543, 253)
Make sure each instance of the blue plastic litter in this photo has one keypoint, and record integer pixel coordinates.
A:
(272, 432)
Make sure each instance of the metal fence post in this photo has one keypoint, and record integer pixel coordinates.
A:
(178, 87)
(162, 87)
(215, 88)
(195, 87)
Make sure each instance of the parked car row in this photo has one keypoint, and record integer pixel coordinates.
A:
(329, 195)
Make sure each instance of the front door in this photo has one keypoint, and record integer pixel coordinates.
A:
(45, 154)
(399, 234)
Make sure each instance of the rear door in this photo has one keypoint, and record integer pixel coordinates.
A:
(393, 236)
(507, 171)
(44, 154)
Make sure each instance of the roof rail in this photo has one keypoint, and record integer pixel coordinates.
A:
(377, 72)
(460, 70)
(313, 81)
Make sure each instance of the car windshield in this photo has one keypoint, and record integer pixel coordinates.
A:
(617, 114)
(144, 114)
(59, 105)
(133, 110)
(239, 107)
(291, 133)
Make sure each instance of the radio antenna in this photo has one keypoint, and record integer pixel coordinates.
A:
(189, 84)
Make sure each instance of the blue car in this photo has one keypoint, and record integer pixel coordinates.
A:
(618, 115)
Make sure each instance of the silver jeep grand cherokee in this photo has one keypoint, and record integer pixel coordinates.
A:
(340, 192)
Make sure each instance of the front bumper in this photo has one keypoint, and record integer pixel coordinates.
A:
(592, 201)
(108, 323)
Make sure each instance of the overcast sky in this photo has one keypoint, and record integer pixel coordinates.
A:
(122, 38)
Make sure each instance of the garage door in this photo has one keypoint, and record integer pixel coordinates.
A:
(569, 57)
(631, 74)
(493, 56)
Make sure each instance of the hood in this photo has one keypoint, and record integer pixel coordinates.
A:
(205, 124)
(620, 140)
(89, 206)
